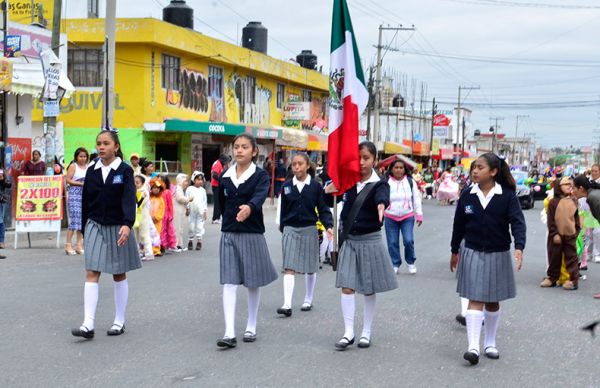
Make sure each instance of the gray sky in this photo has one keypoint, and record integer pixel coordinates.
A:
(556, 38)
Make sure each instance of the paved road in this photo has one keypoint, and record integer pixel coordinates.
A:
(175, 317)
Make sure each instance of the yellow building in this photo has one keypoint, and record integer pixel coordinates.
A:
(181, 95)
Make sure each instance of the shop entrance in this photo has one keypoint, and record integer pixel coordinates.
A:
(210, 153)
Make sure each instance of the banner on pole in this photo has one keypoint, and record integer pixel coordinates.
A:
(39, 198)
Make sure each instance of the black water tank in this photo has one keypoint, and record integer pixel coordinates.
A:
(307, 59)
(255, 37)
(179, 13)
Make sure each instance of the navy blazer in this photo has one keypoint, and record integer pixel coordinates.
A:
(298, 208)
(110, 203)
(488, 230)
(253, 192)
(367, 219)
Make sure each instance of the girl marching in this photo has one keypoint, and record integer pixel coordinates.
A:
(143, 219)
(244, 255)
(485, 215)
(198, 210)
(299, 198)
(110, 247)
(364, 264)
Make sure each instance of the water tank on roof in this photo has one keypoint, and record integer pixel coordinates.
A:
(307, 59)
(255, 37)
(179, 13)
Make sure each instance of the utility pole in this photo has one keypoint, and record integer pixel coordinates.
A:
(376, 126)
(109, 65)
(433, 113)
(515, 152)
(4, 95)
(494, 132)
(50, 122)
(458, 123)
(370, 104)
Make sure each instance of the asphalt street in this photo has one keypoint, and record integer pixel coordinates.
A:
(175, 317)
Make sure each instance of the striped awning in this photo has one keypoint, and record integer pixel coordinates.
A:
(28, 78)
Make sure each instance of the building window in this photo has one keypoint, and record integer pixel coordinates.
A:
(250, 90)
(170, 72)
(280, 95)
(215, 82)
(86, 67)
(306, 96)
(93, 9)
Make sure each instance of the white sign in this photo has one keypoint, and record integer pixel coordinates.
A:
(52, 226)
(51, 108)
(52, 66)
(441, 132)
(296, 111)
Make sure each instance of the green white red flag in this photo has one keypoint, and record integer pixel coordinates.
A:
(348, 99)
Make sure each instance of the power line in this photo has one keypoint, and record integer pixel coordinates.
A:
(504, 3)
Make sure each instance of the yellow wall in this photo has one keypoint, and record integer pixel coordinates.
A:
(141, 99)
(20, 11)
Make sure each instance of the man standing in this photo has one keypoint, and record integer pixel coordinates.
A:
(134, 160)
(215, 173)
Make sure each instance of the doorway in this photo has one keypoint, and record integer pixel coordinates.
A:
(210, 153)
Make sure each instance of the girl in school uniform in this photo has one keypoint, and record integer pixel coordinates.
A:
(110, 247)
(243, 252)
(181, 211)
(300, 199)
(364, 263)
(485, 215)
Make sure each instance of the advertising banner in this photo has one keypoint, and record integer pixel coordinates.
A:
(52, 66)
(39, 198)
(6, 73)
(296, 110)
(13, 46)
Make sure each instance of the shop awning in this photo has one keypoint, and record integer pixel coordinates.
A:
(293, 138)
(395, 148)
(221, 128)
(28, 78)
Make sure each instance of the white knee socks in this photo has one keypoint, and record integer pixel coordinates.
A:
(492, 319)
(464, 306)
(90, 302)
(288, 290)
(229, 301)
(121, 296)
(369, 312)
(310, 280)
(253, 303)
(348, 310)
(474, 320)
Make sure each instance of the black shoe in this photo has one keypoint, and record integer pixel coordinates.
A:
(249, 336)
(364, 342)
(190, 245)
(327, 261)
(227, 343)
(284, 311)
(472, 356)
(198, 245)
(87, 334)
(583, 268)
(306, 307)
(2, 257)
(344, 343)
(116, 330)
(460, 319)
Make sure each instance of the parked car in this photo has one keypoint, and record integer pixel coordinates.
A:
(524, 192)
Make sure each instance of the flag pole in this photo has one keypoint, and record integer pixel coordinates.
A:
(334, 253)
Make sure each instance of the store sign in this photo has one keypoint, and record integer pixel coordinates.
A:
(441, 126)
(13, 46)
(52, 66)
(6, 72)
(441, 132)
(39, 198)
(435, 147)
(33, 39)
(296, 110)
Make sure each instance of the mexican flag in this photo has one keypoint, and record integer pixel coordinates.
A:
(348, 98)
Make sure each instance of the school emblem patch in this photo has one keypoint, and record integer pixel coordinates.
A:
(118, 179)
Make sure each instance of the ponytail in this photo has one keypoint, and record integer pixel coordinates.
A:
(503, 176)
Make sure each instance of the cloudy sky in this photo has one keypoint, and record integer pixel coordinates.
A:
(523, 54)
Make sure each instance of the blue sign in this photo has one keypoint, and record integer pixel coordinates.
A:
(13, 46)
(51, 108)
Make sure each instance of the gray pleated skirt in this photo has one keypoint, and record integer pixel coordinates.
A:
(364, 265)
(485, 277)
(301, 249)
(102, 254)
(245, 260)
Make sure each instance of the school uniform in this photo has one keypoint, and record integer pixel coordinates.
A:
(364, 264)
(485, 270)
(298, 219)
(244, 255)
(102, 218)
